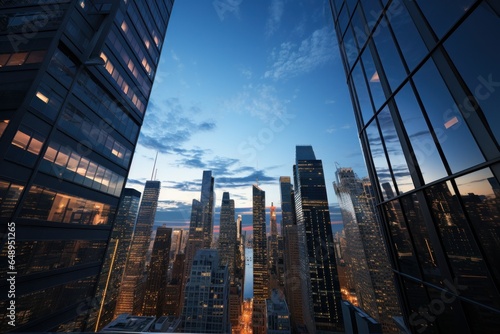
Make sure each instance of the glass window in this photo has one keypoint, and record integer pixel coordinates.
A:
(448, 124)
(409, 40)
(403, 248)
(395, 152)
(35, 57)
(21, 139)
(359, 83)
(480, 193)
(372, 75)
(443, 14)
(459, 244)
(379, 160)
(423, 146)
(17, 59)
(372, 10)
(351, 50)
(478, 62)
(389, 56)
(420, 235)
(3, 126)
(357, 23)
(9, 195)
(3, 59)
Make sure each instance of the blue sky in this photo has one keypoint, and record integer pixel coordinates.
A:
(239, 85)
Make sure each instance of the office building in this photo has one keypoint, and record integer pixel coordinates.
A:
(369, 262)
(260, 265)
(132, 288)
(174, 287)
(321, 290)
(155, 294)
(227, 234)
(113, 269)
(75, 79)
(423, 77)
(357, 321)
(206, 304)
(292, 281)
(278, 317)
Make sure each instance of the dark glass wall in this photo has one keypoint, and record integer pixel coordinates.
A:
(424, 80)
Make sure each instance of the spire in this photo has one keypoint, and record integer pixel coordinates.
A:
(154, 166)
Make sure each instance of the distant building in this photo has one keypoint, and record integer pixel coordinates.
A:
(356, 321)
(292, 277)
(131, 290)
(130, 324)
(260, 264)
(154, 296)
(372, 274)
(174, 288)
(206, 301)
(321, 289)
(277, 314)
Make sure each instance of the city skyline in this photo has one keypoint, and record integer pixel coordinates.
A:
(222, 82)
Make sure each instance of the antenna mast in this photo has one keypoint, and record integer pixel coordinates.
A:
(154, 166)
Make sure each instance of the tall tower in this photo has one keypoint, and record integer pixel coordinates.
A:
(130, 299)
(206, 304)
(260, 267)
(321, 291)
(370, 265)
(75, 79)
(423, 78)
(292, 274)
(227, 234)
(207, 201)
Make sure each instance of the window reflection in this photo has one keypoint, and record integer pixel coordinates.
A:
(424, 148)
(456, 140)
(363, 98)
(9, 194)
(480, 193)
(478, 62)
(464, 256)
(396, 157)
(373, 79)
(45, 204)
(379, 160)
(443, 14)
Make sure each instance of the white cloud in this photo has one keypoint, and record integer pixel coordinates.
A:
(290, 59)
(275, 13)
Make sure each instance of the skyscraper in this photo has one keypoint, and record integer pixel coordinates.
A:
(130, 298)
(369, 263)
(321, 291)
(206, 304)
(423, 78)
(227, 234)
(207, 203)
(155, 289)
(277, 315)
(260, 272)
(292, 277)
(272, 249)
(69, 126)
(116, 259)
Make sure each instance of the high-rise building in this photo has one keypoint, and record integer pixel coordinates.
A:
(207, 201)
(423, 77)
(206, 304)
(154, 296)
(227, 233)
(116, 258)
(75, 79)
(260, 272)
(174, 287)
(321, 290)
(372, 274)
(130, 297)
(272, 249)
(277, 314)
(292, 277)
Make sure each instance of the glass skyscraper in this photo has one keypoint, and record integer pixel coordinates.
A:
(424, 80)
(321, 289)
(75, 79)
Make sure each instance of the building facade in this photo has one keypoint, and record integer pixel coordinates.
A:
(423, 78)
(369, 262)
(260, 272)
(132, 288)
(206, 301)
(75, 79)
(321, 289)
(277, 314)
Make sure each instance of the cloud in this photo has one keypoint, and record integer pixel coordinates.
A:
(259, 101)
(168, 126)
(290, 59)
(247, 73)
(133, 181)
(275, 13)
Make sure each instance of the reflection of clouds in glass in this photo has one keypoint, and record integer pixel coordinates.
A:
(476, 183)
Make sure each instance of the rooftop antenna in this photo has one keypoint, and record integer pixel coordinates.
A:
(257, 174)
(154, 166)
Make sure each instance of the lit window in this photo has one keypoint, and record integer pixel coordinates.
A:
(104, 57)
(82, 3)
(21, 140)
(124, 26)
(50, 154)
(42, 97)
(17, 59)
(35, 146)
(3, 125)
(147, 43)
(3, 59)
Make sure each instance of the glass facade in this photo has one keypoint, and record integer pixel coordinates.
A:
(424, 80)
(69, 126)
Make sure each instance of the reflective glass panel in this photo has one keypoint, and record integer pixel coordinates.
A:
(372, 10)
(478, 62)
(363, 98)
(444, 13)
(372, 76)
(424, 148)
(448, 124)
(395, 152)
